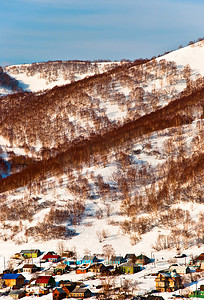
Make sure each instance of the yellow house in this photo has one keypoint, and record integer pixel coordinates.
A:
(168, 282)
(11, 280)
(32, 253)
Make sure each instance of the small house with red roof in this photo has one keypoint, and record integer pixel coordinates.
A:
(51, 258)
(45, 281)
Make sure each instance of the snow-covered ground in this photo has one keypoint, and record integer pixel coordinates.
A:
(191, 56)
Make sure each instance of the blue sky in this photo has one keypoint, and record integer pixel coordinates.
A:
(42, 30)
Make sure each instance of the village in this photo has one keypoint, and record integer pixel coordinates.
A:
(32, 273)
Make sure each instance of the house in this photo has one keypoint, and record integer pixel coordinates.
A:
(61, 269)
(2, 284)
(69, 288)
(131, 257)
(181, 270)
(81, 270)
(98, 268)
(168, 282)
(202, 266)
(129, 268)
(80, 293)
(51, 258)
(17, 294)
(11, 280)
(142, 259)
(78, 261)
(89, 259)
(200, 259)
(59, 293)
(18, 256)
(162, 282)
(198, 293)
(71, 262)
(30, 268)
(45, 281)
(67, 285)
(116, 260)
(32, 253)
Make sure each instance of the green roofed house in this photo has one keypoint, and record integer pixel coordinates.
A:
(129, 268)
(31, 253)
(142, 259)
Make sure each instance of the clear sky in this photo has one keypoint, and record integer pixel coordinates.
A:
(42, 30)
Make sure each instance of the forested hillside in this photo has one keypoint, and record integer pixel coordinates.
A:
(123, 146)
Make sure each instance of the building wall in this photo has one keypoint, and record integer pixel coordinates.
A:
(12, 282)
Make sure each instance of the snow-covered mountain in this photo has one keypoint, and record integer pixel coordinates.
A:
(112, 155)
(38, 77)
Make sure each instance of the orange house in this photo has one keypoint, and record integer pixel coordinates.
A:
(11, 280)
(59, 293)
(81, 271)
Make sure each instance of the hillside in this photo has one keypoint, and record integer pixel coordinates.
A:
(113, 155)
(38, 77)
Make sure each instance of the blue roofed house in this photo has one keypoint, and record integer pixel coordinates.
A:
(11, 280)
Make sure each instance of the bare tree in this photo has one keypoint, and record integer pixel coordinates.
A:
(108, 251)
(99, 236)
(60, 247)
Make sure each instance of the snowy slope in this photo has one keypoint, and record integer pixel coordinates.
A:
(192, 55)
(39, 79)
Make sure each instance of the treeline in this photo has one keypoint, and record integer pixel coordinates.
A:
(83, 151)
